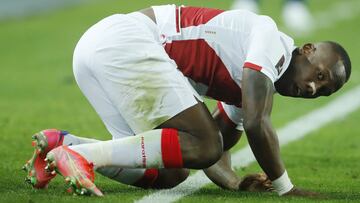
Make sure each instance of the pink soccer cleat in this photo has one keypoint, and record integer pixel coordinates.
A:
(76, 170)
(43, 142)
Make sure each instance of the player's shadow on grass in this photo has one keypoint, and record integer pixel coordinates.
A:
(219, 194)
(343, 196)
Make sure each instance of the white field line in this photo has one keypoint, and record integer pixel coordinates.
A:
(335, 110)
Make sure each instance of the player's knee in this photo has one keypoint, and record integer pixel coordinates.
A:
(230, 141)
(210, 150)
(211, 155)
(169, 178)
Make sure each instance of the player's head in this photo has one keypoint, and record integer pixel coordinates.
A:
(316, 69)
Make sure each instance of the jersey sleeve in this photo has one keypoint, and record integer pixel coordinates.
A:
(265, 52)
(231, 114)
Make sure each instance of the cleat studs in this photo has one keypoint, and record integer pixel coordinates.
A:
(24, 168)
(42, 144)
(67, 180)
(83, 191)
(27, 180)
(33, 180)
(50, 166)
(46, 159)
(50, 157)
(38, 151)
(53, 172)
(47, 168)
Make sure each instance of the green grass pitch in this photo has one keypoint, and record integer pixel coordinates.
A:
(37, 91)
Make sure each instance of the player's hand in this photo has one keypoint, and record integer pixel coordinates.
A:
(258, 182)
(301, 193)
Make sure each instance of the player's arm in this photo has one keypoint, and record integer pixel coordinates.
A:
(257, 104)
(257, 96)
(257, 90)
(222, 175)
(221, 172)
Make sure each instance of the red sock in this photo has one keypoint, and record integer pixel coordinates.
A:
(170, 148)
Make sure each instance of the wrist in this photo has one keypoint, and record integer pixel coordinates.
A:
(282, 184)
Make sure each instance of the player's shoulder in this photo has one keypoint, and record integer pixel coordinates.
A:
(249, 19)
(265, 30)
(265, 22)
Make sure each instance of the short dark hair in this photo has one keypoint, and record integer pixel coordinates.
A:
(344, 57)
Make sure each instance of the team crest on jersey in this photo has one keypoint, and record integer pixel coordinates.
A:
(279, 65)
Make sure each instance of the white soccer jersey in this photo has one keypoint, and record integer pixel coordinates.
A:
(211, 47)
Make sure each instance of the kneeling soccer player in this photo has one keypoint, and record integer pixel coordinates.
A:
(131, 68)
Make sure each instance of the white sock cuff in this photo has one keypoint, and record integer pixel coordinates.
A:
(282, 184)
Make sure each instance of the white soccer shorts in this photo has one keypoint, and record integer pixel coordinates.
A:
(123, 70)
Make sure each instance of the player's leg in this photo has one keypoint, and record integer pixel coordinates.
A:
(71, 139)
(144, 85)
(49, 139)
(199, 137)
(145, 178)
(188, 140)
(152, 149)
(118, 128)
(169, 178)
(46, 140)
(146, 88)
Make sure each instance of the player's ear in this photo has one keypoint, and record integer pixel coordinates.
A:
(307, 48)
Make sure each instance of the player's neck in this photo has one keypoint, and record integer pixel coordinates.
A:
(295, 54)
(281, 83)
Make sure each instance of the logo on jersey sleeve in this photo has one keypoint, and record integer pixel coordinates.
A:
(279, 65)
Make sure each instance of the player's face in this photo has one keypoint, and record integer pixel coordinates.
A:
(316, 71)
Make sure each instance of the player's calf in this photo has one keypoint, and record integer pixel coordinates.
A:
(162, 178)
(169, 178)
(145, 178)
